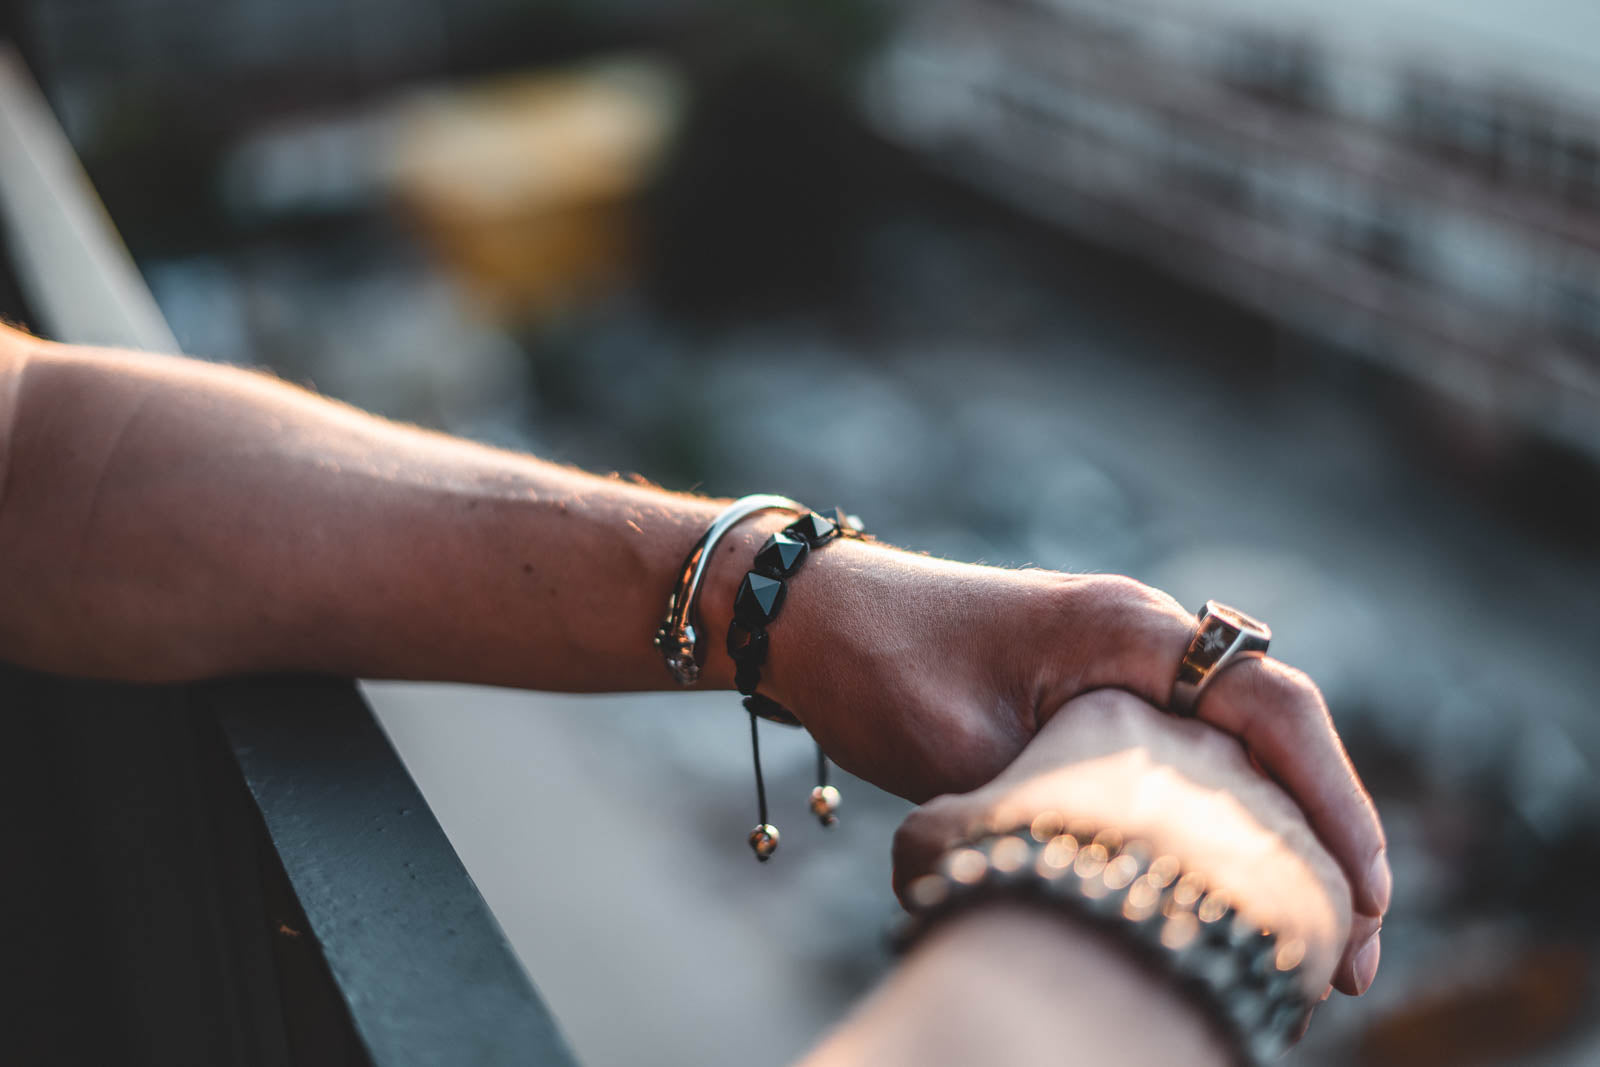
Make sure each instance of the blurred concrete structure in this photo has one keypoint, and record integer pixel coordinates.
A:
(1416, 182)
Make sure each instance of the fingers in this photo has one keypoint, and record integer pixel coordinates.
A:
(1281, 718)
(1364, 965)
(1136, 636)
(1359, 963)
(924, 836)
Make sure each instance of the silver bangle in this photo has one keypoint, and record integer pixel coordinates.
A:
(678, 638)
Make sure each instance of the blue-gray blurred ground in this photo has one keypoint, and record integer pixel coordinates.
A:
(1000, 407)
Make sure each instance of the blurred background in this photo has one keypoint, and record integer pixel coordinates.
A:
(1293, 305)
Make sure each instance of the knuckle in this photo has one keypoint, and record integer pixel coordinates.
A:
(1279, 683)
(1119, 588)
(1116, 714)
(1279, 701)
(1133, 632)
(922, 837)
(1130, 598)
(927, 828)
(1109, 706)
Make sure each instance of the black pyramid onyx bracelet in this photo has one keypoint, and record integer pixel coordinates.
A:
(759, 600)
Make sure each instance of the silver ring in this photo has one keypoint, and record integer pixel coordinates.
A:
(1224, 636)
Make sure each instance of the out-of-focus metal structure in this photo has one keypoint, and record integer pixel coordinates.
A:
(239, 872)
(1428, 199)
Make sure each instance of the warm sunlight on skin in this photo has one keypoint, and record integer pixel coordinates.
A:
(1244, 856)
(165, 519)
(1008, 983)
(1013, 987)
(1108, 759)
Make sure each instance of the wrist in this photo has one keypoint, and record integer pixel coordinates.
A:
(1108, 759)
(1245, 976)
(804, 634)
(1024, 981)
(727, 567)
(814, 636)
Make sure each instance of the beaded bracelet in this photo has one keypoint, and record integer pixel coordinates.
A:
(756, 606)
(1243, 976)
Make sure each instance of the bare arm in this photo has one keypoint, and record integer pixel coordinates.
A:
(164, 519)
(168, 519)
(1014, 987)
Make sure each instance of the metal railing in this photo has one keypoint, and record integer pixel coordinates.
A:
(236, 872)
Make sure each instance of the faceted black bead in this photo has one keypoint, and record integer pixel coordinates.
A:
(813, 529)
(759, 600)
(781, 556)
(747, 644)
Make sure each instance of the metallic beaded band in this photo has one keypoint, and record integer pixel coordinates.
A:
(755, 607)
(1246, 977)
(677, 637)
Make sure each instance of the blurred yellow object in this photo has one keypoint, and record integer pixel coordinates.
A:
(527, 187)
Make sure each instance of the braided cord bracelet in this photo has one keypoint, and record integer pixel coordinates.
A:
(1245, 978)
(759, 600)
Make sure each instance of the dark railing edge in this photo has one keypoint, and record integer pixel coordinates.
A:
(427, 971)
(424, 970)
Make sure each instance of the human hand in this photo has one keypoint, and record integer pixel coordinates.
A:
(1111, 760)
(925, 676)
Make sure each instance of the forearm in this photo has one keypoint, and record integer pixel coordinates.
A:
(168, 519)
(1016, 985)
(164, 519)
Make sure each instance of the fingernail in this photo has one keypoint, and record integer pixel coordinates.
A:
(1366, 964)
(1380, 882)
